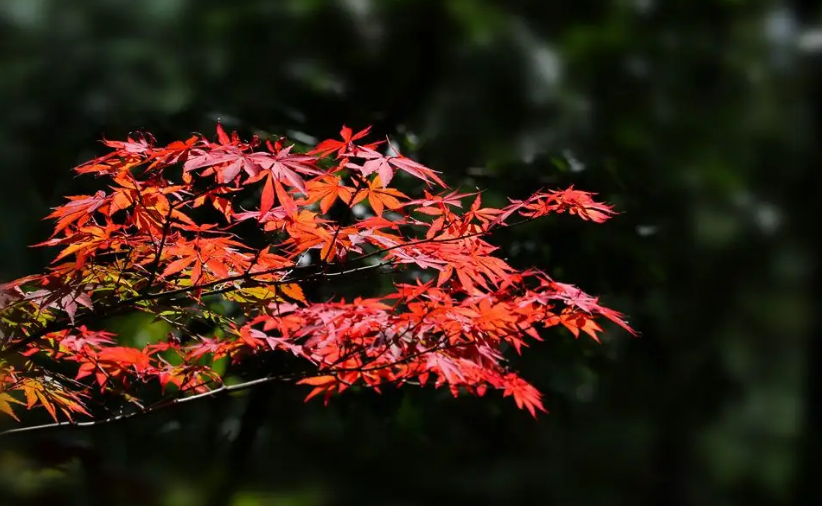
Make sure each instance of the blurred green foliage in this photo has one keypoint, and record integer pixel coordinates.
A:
(694, 118)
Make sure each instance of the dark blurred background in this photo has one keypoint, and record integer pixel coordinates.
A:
(696, 119)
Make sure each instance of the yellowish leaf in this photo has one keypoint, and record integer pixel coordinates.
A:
(5, 405)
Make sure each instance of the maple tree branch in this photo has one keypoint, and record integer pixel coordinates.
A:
(245, 276)
(225, 389)
(222, 390)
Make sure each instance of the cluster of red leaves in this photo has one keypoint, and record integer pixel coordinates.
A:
(139, 246)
